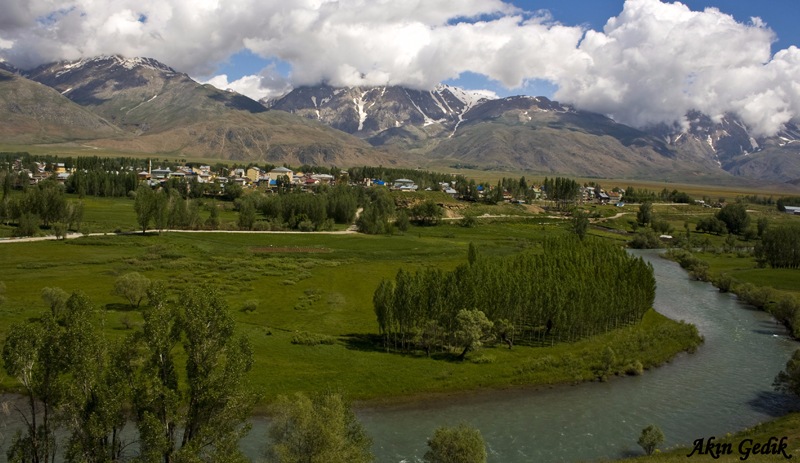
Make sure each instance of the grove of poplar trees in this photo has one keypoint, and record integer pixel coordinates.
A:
(574, 288)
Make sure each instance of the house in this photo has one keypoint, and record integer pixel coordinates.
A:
(794, 210)
(404, 184)
(160, 174)
(323, 178)
(278, 172)
(253, 174)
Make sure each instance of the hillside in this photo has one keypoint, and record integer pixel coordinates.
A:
(34, 113)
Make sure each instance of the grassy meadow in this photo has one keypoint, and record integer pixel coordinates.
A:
(319, 285)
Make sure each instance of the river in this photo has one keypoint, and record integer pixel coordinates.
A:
(725, 386)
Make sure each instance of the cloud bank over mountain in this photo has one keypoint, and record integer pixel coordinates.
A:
(650, 64)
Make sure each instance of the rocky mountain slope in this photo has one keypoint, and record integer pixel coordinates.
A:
(33, 113)
(162, 110)
(448, 124)
(142, 105)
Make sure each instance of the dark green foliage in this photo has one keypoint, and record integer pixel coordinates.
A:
(735, 217)
(711, 225)
(787, 201)
(560, 189)
(574, 289)
(460, 444)
(322, 428)
(427, 213)
(580, 223)
(650, 438)
(788, 380)
(645, 214)
(68, 371)
(645, 239)
(780, 246)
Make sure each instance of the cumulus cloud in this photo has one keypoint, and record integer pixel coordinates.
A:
(268, 84)
(656, 61)
(650, 64)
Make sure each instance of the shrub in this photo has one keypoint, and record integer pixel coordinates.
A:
(304, 338)
(650, 438)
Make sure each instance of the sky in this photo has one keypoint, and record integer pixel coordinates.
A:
(641, 62)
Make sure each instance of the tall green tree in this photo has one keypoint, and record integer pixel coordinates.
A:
(460, 444)
(735, 217)
(219, 399)
(322, 428)
(645, 214)
(145, 206)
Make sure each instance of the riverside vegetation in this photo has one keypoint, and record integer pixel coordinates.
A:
(318, 287)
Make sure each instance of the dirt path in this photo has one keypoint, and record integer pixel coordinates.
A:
(352, 229)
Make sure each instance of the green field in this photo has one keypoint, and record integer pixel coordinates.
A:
(320, 284)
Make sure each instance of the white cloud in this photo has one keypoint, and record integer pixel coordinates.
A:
(268, 84)
(650, 64)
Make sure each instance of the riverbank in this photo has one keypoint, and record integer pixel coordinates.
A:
(740, 446)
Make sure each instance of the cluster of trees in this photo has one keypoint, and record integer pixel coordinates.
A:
(641, 195)
(169, 210)
(180, 380)
(45, 205)
(561, 189)
(423, 179)
(573, 289)
(300, 210)
(788, 201)
(85, 388)
(780, 246)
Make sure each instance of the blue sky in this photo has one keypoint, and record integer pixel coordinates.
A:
(780, 15)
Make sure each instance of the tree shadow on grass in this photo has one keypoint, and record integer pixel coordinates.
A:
(364, 342)
(374, 343)
(117, 307)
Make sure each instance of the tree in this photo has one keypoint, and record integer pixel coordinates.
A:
(788, 380)
(461, 444)
(56, 299)
(645, 214)
(650, 438)
(735, 217)
(580, 223)
(473, 330)
(427, 213)
(145, 206)
(217, 362)
(322, 428)
(133, 287)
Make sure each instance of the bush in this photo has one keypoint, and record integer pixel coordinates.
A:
(304, 338)
(724, 282)
(650, 438)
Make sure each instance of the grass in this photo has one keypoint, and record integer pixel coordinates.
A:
(316, 290)
(787, 426)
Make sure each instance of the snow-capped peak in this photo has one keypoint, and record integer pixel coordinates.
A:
(469, 97)
(116, 60)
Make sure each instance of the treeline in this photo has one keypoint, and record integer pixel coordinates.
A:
(787, 201)
(632, 195)
(294, 210)
(84, 388)
(561, 189)
(44, 205)
(571, 290)
(780, 246)
(423, 179)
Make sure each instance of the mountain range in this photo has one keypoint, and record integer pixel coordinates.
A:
(142, 105)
